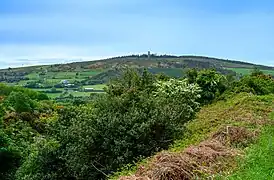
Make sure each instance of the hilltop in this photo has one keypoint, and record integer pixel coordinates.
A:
(94, 74)
(143, 61)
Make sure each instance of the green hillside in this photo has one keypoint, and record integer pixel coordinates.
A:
(144, 126)
(246, 71)
(82, 74)
(230, 139)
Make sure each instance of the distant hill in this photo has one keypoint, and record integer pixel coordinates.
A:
(108, 68)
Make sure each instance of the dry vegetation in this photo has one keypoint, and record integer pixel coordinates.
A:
(219, 133)
(209, 157)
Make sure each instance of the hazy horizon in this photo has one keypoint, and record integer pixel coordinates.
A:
(41, 32)
(36, 62)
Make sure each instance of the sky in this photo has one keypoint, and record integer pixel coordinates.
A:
(57, 31)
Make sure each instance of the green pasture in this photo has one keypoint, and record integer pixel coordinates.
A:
(96, 87)
(246, 71)
(74, 93)
(174, 72)
(63, 75)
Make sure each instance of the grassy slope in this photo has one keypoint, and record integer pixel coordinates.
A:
(58, 76)
(130, 61)
(242, 110)
(246, 71)
(259, 162)
(84, 72)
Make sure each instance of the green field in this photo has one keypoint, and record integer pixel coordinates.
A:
(53, 95)
(96, 87)
(246, 71)
(52, 78)
(173, 72)
(97, 72)
(74, 93)
(64, 75)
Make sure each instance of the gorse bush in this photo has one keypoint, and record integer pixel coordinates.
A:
(212, 83)
(137, 117)
(17, 132)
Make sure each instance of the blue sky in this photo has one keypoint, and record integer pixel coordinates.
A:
(57, 31)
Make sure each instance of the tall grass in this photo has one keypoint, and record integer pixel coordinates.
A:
(259, 161)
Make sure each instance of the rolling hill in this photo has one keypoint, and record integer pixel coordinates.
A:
(169, 64)
(92, 73)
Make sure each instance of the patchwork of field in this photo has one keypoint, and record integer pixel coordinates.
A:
(95, 74)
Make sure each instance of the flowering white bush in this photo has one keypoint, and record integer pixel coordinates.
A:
(179, 98)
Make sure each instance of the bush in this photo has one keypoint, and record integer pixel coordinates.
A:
(34, 95)
(42, 96)
(9, 158)
(43, 159)
(20, 102)
(137, 117)
(211, 83)
(256, 84)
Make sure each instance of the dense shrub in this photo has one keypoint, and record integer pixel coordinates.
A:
(42, 162)
(34, 95)
(20, 102)
(9, 158)
(137, 117)
(89, 138)
(258, 83)
(17, 128)
(212, 83)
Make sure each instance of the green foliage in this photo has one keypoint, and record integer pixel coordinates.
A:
(130, 83)
(2, 111)
(42, 96)
(256, 72)
(9, 158)
(248, 71)
(179, 97)
(211, 83)
(6, 90)
(20, 102)
(162, 77)
(137, 117)
(192, 75)
(140, 114)
(21, 135)
(241, 110)
(42, 162)
(256, 84)
(17, 129)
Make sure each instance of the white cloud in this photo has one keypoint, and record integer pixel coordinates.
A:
(18, 55)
